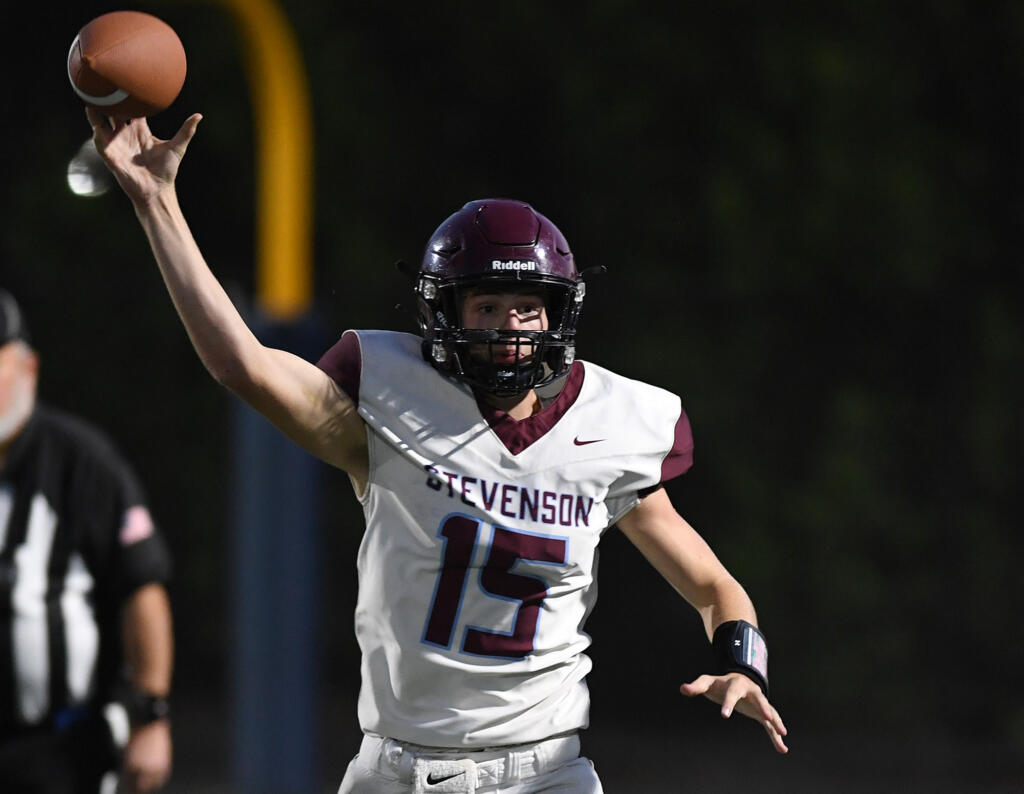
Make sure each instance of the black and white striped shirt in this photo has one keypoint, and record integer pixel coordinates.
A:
(76, 540)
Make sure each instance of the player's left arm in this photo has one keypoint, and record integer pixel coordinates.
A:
(683, 557)
(149, 651)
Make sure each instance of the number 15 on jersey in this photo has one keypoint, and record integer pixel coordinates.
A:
(461, 535)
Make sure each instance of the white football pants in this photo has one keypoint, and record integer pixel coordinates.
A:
(553, 766)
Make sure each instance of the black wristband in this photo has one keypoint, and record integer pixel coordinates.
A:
(739, 647)
(144, 708)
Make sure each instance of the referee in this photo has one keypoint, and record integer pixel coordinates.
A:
(86, 643)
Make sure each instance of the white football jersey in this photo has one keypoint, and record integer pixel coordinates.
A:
(477, 568)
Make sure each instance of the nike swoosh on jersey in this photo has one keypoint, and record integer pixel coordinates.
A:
(579, 443)
(433, 781)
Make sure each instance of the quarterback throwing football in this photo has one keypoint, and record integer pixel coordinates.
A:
(488, 461)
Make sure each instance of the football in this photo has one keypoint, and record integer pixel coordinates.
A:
(127, 64)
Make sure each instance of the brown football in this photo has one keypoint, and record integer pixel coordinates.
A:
(127, 64)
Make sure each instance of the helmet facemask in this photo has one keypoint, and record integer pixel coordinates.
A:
(474, 355)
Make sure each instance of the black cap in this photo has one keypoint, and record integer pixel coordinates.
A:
(12, 322)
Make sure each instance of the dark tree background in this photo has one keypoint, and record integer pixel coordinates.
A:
(811, 218)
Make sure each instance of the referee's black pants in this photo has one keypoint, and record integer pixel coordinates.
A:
(48, 761)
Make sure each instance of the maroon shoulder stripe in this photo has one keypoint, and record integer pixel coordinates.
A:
(344, 363)
(680, 457)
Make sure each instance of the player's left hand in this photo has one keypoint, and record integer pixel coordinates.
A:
(736, 692)
(147, 758)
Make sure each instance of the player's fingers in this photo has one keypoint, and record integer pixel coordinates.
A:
(758, 707)
(698, 686)
(735, 691)
(775, 720)
(184, 135)
(100, 124)
(753, 704)
(762, 709)
(776, 738)
(140, 127)
(105, 129)
(728, 704)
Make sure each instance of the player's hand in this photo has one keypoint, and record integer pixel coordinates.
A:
(143, 164)
(147, 758)
(736, 692)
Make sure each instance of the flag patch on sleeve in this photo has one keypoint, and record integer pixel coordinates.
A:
(137, 525)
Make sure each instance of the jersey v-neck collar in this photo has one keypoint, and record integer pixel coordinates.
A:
(519, 434)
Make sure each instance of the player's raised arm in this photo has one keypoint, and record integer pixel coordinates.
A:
(686, 561)
(292, 393)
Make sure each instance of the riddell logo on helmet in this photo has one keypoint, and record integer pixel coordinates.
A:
(513, 264)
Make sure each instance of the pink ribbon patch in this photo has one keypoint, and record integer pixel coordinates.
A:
(138, 525)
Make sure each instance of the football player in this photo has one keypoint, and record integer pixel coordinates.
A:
(488, 461)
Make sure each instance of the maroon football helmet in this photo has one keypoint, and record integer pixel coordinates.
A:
(499, 245)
